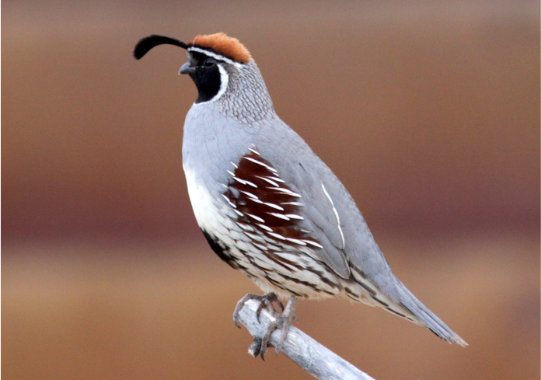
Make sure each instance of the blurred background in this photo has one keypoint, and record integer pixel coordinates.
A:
(428, 111)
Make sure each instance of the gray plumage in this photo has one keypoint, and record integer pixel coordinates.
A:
(323, 247)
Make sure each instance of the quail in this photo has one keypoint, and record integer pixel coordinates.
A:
(266, 203)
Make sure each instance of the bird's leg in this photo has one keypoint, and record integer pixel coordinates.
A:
(282, 322)
(266, 301)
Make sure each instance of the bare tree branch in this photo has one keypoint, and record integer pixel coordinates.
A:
(310, 355)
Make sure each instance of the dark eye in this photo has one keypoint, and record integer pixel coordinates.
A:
(209, 62)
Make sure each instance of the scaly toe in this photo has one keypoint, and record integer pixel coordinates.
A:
(266, 301)
(282, 322)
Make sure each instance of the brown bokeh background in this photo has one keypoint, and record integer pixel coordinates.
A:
(428, 111)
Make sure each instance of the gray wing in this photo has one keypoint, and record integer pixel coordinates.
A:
(328, 210)
(331, 217)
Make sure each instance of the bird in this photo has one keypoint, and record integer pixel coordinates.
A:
(267, 204)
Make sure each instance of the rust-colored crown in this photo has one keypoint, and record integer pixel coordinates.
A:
(223, 44)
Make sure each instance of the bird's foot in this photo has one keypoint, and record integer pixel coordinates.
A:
(266, 301)
(282, 322)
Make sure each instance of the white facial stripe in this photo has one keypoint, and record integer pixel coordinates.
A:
(224, 80)
(215, 56)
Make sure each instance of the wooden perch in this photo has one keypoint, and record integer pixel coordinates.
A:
(309, 354)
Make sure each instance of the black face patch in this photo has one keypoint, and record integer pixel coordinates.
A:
(206, 76)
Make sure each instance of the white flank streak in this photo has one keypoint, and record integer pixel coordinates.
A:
(256, 218)
(234, 165)
(280, 216)
(310, 242)
(241, 181)
(245, 227)
(229, 201)
(299, 204)
(266, 228)
(261, 164)
(269, 181)
(336, 215)
(256, 161)
(296, 241)
(287, 192)
(277, 179)
(245, 182)
(251, 184)
(294, 216)
(277, 236)
(276, 207)
(254, 197)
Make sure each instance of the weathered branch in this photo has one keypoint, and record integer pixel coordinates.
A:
(310, 355)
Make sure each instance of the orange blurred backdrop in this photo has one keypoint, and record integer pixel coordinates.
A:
(427, 111)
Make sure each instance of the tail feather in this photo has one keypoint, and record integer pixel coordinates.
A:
(397, 299)
(424, 317)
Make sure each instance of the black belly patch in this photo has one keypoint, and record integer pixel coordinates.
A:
(220, 249)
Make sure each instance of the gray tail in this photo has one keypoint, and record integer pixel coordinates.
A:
(421, 315)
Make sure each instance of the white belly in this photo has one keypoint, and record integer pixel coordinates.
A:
(203, 204)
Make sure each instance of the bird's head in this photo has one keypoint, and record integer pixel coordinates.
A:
(216, 63)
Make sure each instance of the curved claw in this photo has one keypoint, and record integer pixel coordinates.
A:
(240, 305)
(265, 340)
(267, 301)
(283, 321)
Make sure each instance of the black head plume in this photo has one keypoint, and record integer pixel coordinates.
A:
(147, 43)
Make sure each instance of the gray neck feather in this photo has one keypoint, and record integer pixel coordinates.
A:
(246, 98)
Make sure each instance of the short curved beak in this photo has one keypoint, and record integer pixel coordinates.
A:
(186, 69)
